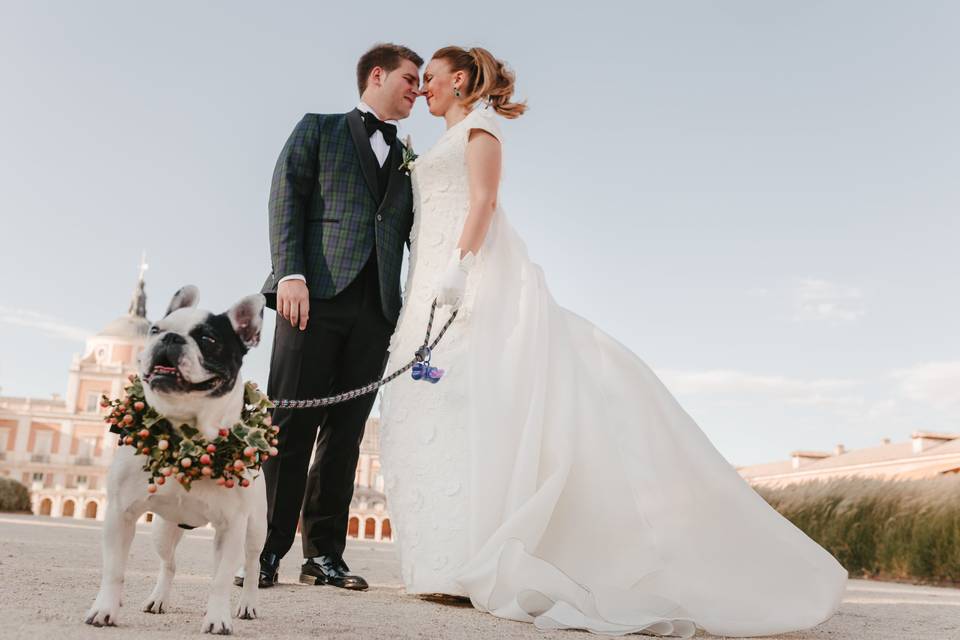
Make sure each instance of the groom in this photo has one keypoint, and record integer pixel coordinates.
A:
(340, 214)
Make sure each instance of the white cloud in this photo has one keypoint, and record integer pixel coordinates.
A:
(50, 325)
(822, 300)
(814, 391)
(935, 383)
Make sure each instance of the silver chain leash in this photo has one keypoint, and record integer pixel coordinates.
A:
(423, 354)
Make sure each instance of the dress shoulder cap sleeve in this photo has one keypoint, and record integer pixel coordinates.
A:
(486, 120)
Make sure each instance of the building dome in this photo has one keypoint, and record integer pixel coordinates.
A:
(126, 326)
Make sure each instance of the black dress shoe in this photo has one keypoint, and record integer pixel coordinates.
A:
(331, 570)
(269, 570)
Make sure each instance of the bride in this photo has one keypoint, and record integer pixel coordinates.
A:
(549, 476)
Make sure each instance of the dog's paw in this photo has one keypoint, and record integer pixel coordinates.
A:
(154, 604)
(246, 609)
(217, 624)
(102, 616)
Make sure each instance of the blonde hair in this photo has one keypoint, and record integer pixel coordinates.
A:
(487, 79)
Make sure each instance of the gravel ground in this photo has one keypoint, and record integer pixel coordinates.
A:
(51, 570)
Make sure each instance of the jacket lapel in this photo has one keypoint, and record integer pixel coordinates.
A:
(394, 175)
(368, 161)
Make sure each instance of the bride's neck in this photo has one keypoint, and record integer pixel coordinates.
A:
(455, 114)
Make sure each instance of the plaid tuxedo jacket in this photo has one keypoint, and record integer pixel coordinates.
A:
(326, 215)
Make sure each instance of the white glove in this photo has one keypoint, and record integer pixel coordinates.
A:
(454, 279)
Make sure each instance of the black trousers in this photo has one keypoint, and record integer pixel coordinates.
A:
(343, 347)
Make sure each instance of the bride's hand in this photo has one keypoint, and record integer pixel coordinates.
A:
(454, 279)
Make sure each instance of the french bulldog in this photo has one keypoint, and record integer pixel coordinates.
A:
(190, 368)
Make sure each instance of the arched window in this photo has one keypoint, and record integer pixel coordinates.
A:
(46, 506)
(386, 533)
(370, 529)
(91, 510)
(353, 527)
(68, 507)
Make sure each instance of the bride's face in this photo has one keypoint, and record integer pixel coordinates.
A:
(438, 86)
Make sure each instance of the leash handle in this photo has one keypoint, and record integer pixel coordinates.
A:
(422, 355)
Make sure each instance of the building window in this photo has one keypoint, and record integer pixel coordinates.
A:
(82, 481)
(88, 445)
(93, 402)
(4, 438)
(43, 442)
(38, 476)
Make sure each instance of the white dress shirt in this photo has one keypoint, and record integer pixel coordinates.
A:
(380, 149)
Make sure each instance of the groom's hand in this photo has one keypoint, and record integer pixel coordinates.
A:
(293, 302)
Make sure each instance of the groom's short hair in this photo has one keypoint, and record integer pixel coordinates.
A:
(385, 55)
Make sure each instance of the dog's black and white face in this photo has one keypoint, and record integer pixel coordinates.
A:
(196, 352)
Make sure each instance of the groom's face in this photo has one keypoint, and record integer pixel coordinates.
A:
(400, 90)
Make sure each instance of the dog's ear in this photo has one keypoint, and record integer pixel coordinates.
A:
(246, 316)
(187, 296)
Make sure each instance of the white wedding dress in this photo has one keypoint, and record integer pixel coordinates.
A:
(550, 476)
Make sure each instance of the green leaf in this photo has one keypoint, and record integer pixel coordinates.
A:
(188, 431)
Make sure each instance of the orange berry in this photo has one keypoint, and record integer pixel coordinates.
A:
(151, 488)
(159, 480)
(186, 462)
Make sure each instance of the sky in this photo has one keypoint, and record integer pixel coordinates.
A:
(760, 199)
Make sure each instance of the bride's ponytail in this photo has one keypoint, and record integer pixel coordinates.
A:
(488, 79)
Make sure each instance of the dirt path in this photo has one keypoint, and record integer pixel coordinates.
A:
(51, 570)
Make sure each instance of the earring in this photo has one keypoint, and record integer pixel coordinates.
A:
(456, 91)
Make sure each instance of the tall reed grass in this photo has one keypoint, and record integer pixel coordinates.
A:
(890, 529)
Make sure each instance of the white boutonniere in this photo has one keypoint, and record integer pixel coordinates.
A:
(408, 156)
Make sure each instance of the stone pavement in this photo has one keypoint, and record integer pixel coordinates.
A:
(51, 571)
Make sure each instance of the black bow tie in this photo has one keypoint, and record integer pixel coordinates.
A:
(388, 130)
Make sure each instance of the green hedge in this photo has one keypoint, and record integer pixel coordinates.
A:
(13, 496)
(891, 529)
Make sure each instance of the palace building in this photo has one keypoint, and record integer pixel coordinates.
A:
(60, 448)
(925, 455)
